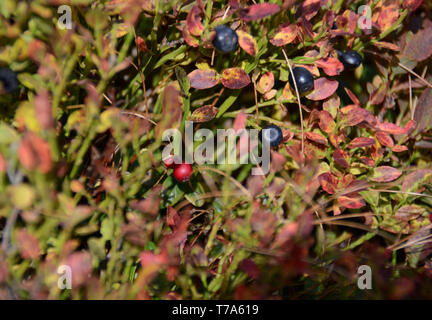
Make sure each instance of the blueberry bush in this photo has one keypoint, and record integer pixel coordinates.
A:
(88, 88)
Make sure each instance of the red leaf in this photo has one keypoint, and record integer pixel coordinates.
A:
(193, 21)
(309, 8)
(330, 65)
(141, 44)
(235, 78)
(391, 128)
(250, 268)
(353, 115)
(189, 38)
(385, 174)
(384, 139)
(43, 109)
(399, 148)
(258, 11)
(351, 202)
(361, 142)
(35, 153)
(326, 122)
(203, 79)
(240, 121)
(172, 217)
(247, 42)
(340, 157)
(328, 182)
(323, 88)
(285, 34)
(316, 137)
(28, 245)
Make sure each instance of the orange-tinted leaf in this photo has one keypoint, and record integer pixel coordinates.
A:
(35, 153)
(266, 82)
(247, 42)
(141, 44)
(28, 245)
(352, 96)
(189, 38)
(258, 11)
(387, 45)
(384, 139)
(323, 88)
(399, 148)
(352, 202)
(385, 174)
(326, 122)
(361, 142)
(340, 157)
(193, 21)
(284, 35)
(412, 4)
(203, 79)
(330, 65)
(385, 14)
(235, 78)
(353, 115)
(316, 137)
(204, 114)
(390, 128)
(328, 182)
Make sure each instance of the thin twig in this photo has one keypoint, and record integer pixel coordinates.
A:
(415, 74)
(298, 99)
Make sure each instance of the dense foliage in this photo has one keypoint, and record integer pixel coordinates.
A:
(83, 183)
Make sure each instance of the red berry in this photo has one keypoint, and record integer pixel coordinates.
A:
(169, 162)
(183, 172)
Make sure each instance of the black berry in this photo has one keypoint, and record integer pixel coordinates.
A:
(350, 59)
(303, 78)
(272, 134)
(226, 39)
(9, 80)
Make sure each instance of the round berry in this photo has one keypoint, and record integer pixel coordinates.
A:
(350, 59)
(303, 78)
(169, 162)
(9, 80)
(183, 172)
(226, 39)
(272, 134)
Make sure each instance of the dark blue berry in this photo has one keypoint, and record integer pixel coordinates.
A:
(272, 134)
(303, 78)
(226, 39)
(9, 80)
(350, 59)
